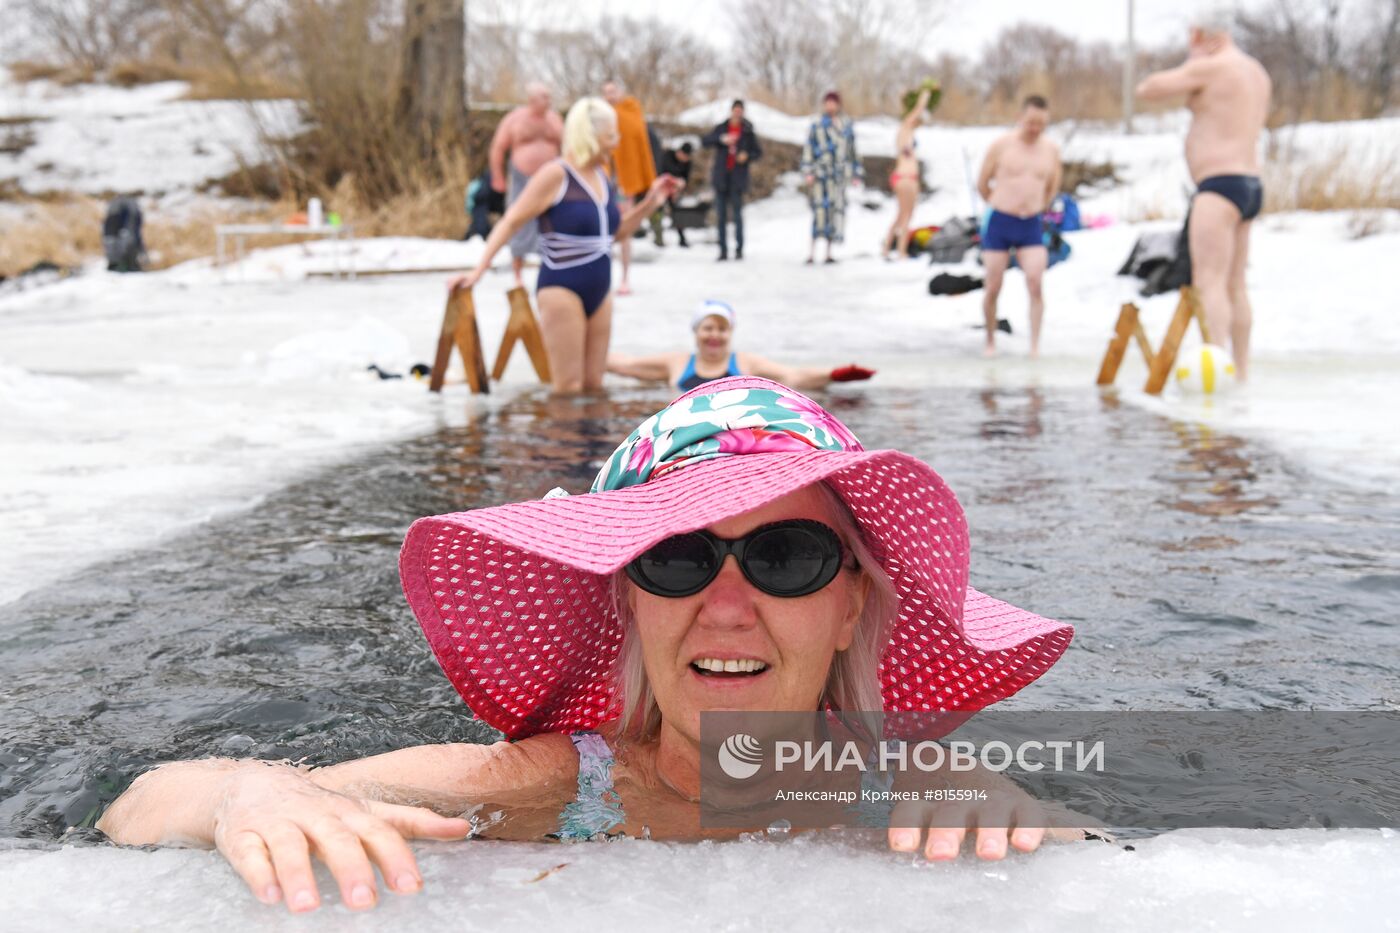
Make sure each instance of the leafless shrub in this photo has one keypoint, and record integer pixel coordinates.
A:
(668, 71)
(790, 52)
(1361, 224)
(1331, 60)
(92, 33)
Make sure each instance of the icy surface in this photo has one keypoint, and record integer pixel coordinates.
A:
(1199, 880)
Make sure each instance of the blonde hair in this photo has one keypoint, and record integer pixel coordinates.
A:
(853, 680)
(583, 126)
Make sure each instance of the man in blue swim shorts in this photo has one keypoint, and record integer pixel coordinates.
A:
(1228, 93)
(1020, 177)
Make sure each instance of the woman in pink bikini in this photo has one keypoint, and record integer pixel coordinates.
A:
(904, 180)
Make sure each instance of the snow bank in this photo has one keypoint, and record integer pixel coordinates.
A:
(96, 139)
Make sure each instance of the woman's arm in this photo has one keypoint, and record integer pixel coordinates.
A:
(652, 368)
(911, 119)
(797, 377)
(808, 164)
(267, 819)
(537, 197)
(857, 166)
(661, 188)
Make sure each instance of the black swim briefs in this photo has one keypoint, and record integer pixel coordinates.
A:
(1246, 192)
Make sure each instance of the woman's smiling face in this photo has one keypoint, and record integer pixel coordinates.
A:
(712, 335)
(783, 645)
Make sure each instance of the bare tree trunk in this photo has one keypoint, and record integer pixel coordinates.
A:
(434, 95)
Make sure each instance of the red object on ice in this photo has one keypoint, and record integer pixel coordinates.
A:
(852, 373)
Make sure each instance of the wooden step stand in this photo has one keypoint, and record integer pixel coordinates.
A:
(459, 329)
(522, 327)
(1159, 364)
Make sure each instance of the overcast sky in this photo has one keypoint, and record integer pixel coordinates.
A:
(967, 25)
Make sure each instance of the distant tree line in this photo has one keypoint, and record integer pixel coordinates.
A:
(1330, 59)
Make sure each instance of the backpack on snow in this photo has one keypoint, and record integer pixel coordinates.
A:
(121, 236)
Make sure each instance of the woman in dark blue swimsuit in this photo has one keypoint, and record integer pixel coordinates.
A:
(713, 324)
(579, 219)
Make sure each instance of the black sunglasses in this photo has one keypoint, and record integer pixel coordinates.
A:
(790, 558)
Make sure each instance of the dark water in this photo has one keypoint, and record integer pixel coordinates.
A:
(1201, 572)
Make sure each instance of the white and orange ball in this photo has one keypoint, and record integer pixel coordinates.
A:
(1206, 370)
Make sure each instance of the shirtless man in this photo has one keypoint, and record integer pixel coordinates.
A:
(1020, 177)
(531, 134)
(1228, 94)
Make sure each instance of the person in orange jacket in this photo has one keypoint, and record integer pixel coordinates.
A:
(634, 169)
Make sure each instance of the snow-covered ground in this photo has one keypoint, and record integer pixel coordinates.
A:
(98, 140)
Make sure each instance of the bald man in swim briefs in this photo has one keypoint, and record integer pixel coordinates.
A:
(1020, 177)
(1228, 94)
(531, 134)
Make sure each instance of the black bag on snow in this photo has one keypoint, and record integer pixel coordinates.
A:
(121, 236)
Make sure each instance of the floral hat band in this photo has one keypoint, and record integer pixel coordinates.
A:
(726, 423)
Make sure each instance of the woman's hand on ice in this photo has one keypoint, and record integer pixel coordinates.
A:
(938, 833)
(271, 820)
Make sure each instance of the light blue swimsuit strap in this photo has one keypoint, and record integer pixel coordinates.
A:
(597, 808)
(688, 372)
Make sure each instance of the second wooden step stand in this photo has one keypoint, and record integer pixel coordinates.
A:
(1159, 365)
(522, 327)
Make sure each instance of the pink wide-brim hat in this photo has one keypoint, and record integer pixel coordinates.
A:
(516, 601)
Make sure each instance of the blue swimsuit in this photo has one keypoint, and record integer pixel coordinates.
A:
(576, 235)
(690, 378)
(597, 810)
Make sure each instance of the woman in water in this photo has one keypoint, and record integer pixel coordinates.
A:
(593, 631)
(713, 324)
(578, 220)
(904, 180)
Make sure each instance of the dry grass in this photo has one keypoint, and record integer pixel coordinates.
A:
(151, 71)
(221, 85)
(66, 75)
(205, 83)
(1344, 180)
(67, 231)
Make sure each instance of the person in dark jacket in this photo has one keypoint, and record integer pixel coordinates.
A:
(735, 145)
(676, 163)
